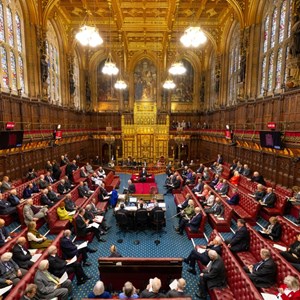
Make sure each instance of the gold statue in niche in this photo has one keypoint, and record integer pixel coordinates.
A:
(145, 80)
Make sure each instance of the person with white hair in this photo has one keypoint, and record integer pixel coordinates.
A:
(10, 272)
(152, 289)
(212, 277)
(178, 292)
(30, 215)
(99, 291)
(48, 285)
(290, 290)
(215, 244)
(193, 223)
(129, 291)
(29, 292)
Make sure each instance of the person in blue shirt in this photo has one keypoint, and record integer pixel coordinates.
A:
(99, 292)
(129, 291)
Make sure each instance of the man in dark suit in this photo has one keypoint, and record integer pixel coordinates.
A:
(241, 239)
(263, 274)
(273, 231)
(235, 198)
(184, 204)
(4, 234)
(179, 291)
(21, 255)
(217, 208)
(82, 226)
(29, 292)
(61, 188)
(5, 207)
(58, 266)
(83, 193)
(269, 199)
(193, 222)
(69, 249)
(49, 178)
(45, 200)
(69, 203)
(143, 175)
(130, 189)
(215, 244)
(52, 195)
(42, 183)
(174, 185)
(13, 198)
(212, 277)
(258, 178)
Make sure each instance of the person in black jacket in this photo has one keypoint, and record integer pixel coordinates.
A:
(241, 239)
(258, 178)
(179, 291)
(154, 292)
(21, 255)
(4, 234)
(292, 254)
(212, 277)
(273, 230)
(69, 203)
(269, 199)
(13, 198)
(263, 274)
(45, 200)
(58, 266)
(5, 207)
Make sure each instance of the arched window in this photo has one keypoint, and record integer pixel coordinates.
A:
(234, 65)
(276, 30)
(54, 89)
(12, 53)
(77, 83)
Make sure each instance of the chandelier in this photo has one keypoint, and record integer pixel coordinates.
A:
(169, 84)
(177, 68)
(193, 37)
(110, 67)
(88, 35)
(120, 84)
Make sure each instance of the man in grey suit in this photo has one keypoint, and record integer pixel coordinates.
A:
(48, 285)
(28, 213)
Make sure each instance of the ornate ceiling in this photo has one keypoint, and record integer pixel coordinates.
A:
(154, 25)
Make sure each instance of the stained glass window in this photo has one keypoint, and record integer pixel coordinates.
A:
(12, 71)
(234, 66)
(53, 80)
(274, 45)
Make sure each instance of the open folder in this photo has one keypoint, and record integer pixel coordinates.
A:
(63, 278)
(5, 289)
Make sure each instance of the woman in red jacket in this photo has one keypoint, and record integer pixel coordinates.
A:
(290, 290)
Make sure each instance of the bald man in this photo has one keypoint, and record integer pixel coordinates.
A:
(21, 255)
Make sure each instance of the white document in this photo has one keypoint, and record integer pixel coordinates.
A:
(162, 205)
(150, 284)
(201, 250)
(173, 284)
(72, 213)
(99, 219)
(267, 296)
(82, 245)
(109, 193)
(63, 278)
(94, 224)
(5, 289)
(220, 218)
(106, 197)
(35, 257)
(32, 251)
(122, 196)
(281, 248)
(72, 260)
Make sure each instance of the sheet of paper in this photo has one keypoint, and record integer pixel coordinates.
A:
(267, 296)
(173, 284)
(63, 278)
(94, 224)
(82, 245)
(72, 260)
(5, 289)
(72, 213)
(32, 251)
(201, 250)
(35, 257)
(99, 219)
(281, 248)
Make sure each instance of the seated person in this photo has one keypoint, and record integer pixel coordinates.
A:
(62, 213)
(217, 209)
(33, 212)
(21, 255)
(5, 207)
(61, 188)
(246, 170)
(292, 254)
(290, 290)
(69, 203)
(155, 284)
(30, 190)
(260, 192)
(31, 174)
(200, 169)
(175, 184)
(269, 199)
(56, 171)
(198, 187)
(258, 178)
(235, 198)
(263, 274)
(103, 195)
(88, 215)
(58, 266)
(223, 188)
(6, 185)
(191, 178)
(184, 204)
(114, 252)
(99, 291)
(94, 209)
(143, 175)
(215, 244)
(273, 230)
(42, 183)
(205, 175)
(193, 223)
(219, 169)
(89, 168)
(178, 292)
(10, 272)
(96, 179)
(83, 173)
(4, 234)
(209, 200)
(184, 172)
(55, 197)
(213, 277)
(68, 183)
(204, 193)
(101, 173)
(82, 191)
(215, 181)
(35, 239)
(130, 189)
(45, 200)
(48, 286)
(13, 198)
(235, 179)
(29, 292)
(129, 291)
(241, 239)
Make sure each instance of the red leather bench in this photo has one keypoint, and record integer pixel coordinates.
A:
(54, 223)
(77, 178)
(111, 181)
(247, 186)
(8, 245)
(277, 210)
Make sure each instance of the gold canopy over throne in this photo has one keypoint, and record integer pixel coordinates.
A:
(145, 139)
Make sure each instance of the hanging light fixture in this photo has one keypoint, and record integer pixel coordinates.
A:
(177, 68)
(169, 84)
(120, 84)
(88, 35)
(193, 37)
